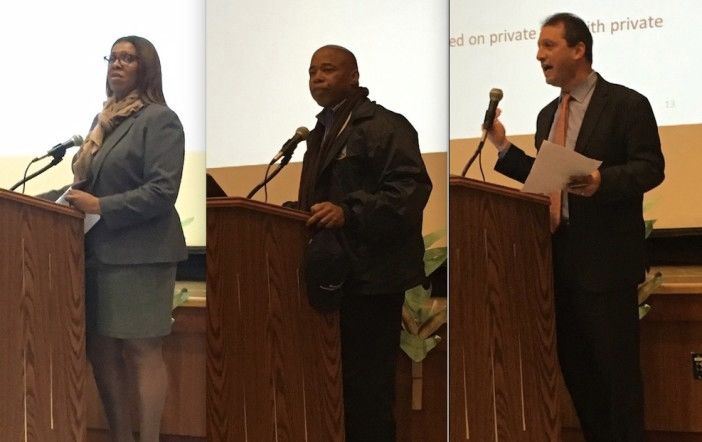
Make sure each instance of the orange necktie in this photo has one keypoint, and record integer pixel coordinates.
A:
(559, 137)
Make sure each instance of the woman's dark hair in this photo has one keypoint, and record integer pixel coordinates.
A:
(149, 73)
(576, 31)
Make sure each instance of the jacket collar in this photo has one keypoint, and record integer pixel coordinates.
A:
(364, 110)
(598, 102)
(110, 142)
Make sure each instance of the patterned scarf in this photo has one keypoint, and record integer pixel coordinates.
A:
(113, 113)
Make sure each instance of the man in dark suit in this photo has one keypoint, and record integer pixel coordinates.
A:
(598, 240)
(363, 177)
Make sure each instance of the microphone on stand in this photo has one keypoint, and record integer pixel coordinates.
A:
(495, 97)
(60, 149)
(285, 153)
(289, 146)
(57, 152)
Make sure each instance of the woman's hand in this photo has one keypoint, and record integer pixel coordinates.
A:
(83, 201)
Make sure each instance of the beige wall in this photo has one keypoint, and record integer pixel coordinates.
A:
(239, 180)
(675, 203)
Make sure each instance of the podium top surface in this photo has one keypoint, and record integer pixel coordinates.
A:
(6, 195)
(456, 181)
(256, 206)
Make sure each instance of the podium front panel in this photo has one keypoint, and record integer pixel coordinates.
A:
(503, 367)
(42, 333)
(274, 363)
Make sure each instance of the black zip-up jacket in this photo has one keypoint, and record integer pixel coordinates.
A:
(375, 172)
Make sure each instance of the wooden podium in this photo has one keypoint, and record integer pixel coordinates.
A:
(273, 362)
(503, 368)
(42, 331)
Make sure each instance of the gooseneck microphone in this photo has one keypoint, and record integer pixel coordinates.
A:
(495, 97)
(60, 149)
(285, 153)
(289, 146)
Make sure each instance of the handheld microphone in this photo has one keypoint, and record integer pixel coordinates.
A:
(60, 149)
(289, 147)
(495, 97)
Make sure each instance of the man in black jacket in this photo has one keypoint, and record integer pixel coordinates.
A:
(598, 240)
(363, 175)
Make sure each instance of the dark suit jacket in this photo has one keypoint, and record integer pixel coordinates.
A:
(375, 172)
(136, 174)
(606, 230)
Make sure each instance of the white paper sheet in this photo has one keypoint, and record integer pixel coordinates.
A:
(554, 166)
(90, 218)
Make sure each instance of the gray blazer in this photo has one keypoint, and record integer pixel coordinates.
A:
(136, 174)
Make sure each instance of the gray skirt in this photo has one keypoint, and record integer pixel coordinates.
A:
(129, 301)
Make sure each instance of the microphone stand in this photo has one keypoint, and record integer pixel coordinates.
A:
(283, 162)
(475, 155)
(57, 159)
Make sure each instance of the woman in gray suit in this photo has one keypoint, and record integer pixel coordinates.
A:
(130, 168)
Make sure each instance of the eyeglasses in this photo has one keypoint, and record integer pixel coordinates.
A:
(124, 58)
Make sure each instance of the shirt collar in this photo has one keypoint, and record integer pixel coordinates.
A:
(326, 116)
(581, 91)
